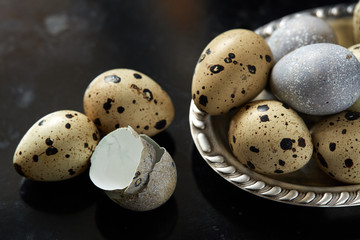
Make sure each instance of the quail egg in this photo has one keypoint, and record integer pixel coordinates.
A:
(317, 79)
(297, 32)
(57, 147)
(270, 138)
(336, 142)
(233, 69)
(124, 97)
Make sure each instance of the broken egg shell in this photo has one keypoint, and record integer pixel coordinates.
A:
(120, 161)
(146, 164)
(124, 97)
(57, 147)
(233, 69)
(268, 137)
(336, 142)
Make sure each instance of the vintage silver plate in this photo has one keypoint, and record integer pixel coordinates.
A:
(308, 186)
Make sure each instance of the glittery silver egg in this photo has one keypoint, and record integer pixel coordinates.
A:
(317, 79)
(297, 32)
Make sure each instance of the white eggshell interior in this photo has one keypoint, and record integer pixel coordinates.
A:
(116, 159)
(159, 151)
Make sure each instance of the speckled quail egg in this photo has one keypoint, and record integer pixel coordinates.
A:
(297, 32)
(336, 142)
(233, 68)
(355, 49)
(57, 147)
(270, 138)
(133, 170)
(121, 97)
(356, 23)
(317, 79)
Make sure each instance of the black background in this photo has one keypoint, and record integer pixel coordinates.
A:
(45, 68)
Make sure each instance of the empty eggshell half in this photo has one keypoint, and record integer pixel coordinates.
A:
(133, 170)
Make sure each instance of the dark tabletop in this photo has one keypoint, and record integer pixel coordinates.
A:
(51, 50)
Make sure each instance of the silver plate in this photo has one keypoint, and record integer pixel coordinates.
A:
(308, 186)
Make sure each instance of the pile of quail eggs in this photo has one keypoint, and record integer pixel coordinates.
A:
(123, 109)
(309, 76)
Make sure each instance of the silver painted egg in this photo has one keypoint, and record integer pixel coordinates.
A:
(297, 32)
(317, 79)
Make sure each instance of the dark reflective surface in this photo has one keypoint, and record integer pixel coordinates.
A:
(51, 50)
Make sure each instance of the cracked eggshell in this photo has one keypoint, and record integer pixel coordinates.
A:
(336, 142)
(233, 69)
(133, 170)
(57, 147)
(124, 97)
(317, 79)
(269, 137)
(297, 32)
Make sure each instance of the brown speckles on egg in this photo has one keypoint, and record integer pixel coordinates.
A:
(160, 124)
(301, 142)
(71, 172)
(95, 137)
(281, 162)
(351, 116)
(120, 109)
(286, 144)
(267, 143)
(148, 94)
(217, 68)
(268, 58)
(252, 69)
(348, 163)
(51, 151)
(137, 76)
(285, 106)
(48, 147)
(264, 118)
(131, 102)
(337, 146)
(203, 100)
(250, 165)
(107, 105)
(49, 142)
(221, 71)
(332, 146)
(42, 122)
(97, 122)
(254, 149)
